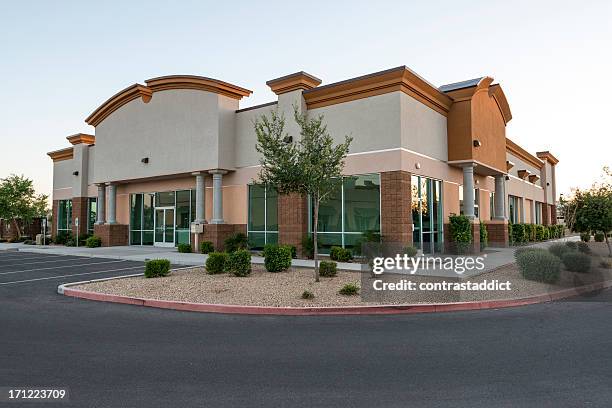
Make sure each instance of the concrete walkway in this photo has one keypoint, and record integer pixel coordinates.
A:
(493, 257)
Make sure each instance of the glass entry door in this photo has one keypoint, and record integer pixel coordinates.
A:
(164, 226)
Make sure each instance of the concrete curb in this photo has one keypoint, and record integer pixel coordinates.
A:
(333, 310)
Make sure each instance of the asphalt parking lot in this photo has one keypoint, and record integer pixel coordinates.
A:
(113, 355)
(47, 270)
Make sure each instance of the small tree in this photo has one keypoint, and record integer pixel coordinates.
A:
(18, 200)
(591, 210)
(311, 165)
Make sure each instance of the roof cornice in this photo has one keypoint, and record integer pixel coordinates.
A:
(63, 154)
(81, 138)
(523, 154)
(546, 155)
(396, 79)
(299, 80)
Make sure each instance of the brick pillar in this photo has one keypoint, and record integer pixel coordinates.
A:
(498, 233)
(292, 220)
(545, 214)
(79, 209)
(112, 234)
(553, 214)
(54, 214)
(396, 214)
(218, 233)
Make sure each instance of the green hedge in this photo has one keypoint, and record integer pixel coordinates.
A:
(156, 268)
(340, 254)
(518, 233)
(328, 269)
(460, 232)
(184, 248)
(62, 237)
(585, 236)
(215, 263)
(539, 265)
(577, 262)
(308, 246)
(93, 242)
(239, 263)
(484, 235)
(206, 247)
(235, 242)
(277, 258)
(600, 237)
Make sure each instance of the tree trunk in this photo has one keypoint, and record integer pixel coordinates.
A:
(16, 224)
(608, 243)
(314, 238)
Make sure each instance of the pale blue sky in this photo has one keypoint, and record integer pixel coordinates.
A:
(61, 60)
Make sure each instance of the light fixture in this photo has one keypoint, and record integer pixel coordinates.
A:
(507, 178)
(144, 160)
(477, 143)
(417, 165)
(75, 173)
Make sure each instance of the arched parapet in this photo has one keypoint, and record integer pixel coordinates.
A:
(117, 101)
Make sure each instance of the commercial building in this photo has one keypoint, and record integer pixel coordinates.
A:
(178, 151)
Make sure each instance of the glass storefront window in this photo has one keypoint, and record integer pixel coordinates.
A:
(141, 219)
(64, 215)
(354, 208)
(165, 199)
(427, 214)
(92, 205)
(183, 218)
(262, 225)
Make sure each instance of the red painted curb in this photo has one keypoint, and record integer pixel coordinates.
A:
(339, 310)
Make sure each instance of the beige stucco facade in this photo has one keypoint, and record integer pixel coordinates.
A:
(160, 136)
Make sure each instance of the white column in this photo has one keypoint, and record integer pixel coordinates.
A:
(523, 210)
(217, 176)
(500, 197)
(101, 204)
(200, 198)
(533, 216)
(112, 203)
(468, 190)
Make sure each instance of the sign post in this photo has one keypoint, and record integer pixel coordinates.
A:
(76, 223)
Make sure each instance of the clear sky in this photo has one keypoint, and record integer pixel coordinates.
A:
(60, 60)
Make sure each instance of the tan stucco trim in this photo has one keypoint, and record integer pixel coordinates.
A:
(397, 79)
(197, 82)
(523, 174)
(546, 155)
(523, 154)
(59, 155)
(292, 82)
(533, 178)
(509, 165)
(118, 100)
(496, 92)
(81, 138)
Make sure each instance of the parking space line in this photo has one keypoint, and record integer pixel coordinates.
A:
(31, 257)
(63, 266)
(67, 276)
(31, 263)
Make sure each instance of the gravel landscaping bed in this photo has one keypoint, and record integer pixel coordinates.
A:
(263, 288)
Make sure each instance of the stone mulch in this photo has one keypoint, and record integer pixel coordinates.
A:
(263, 288)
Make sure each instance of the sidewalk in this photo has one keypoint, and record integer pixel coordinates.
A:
(494, 257)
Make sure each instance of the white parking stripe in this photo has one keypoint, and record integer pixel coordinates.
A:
(10, 258)
(67, 276)
(62, 266)
(31, 263)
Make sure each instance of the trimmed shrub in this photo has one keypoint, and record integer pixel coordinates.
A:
(206, 247)
(577, 262)
(62, 237)
(156, 268)
(599, 237)
(583, 247)
(239, 263)
(572, 245)
(605, 264)
(484, 235)
(328, 269)
(70, 242)
(340, 254)
(307, 295)
(350, 289)
(559, 250)
(411, 251)
(545, 233)
(308, 246)
(585, 236)
(518, 233)
(510, 233)
(539, 233)
(522, 250)
(539, 265)
(184, 248)
(293, 250)
(277, 258)
(215, 263)
(460, 232)
(235, 242)
(93, 242)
